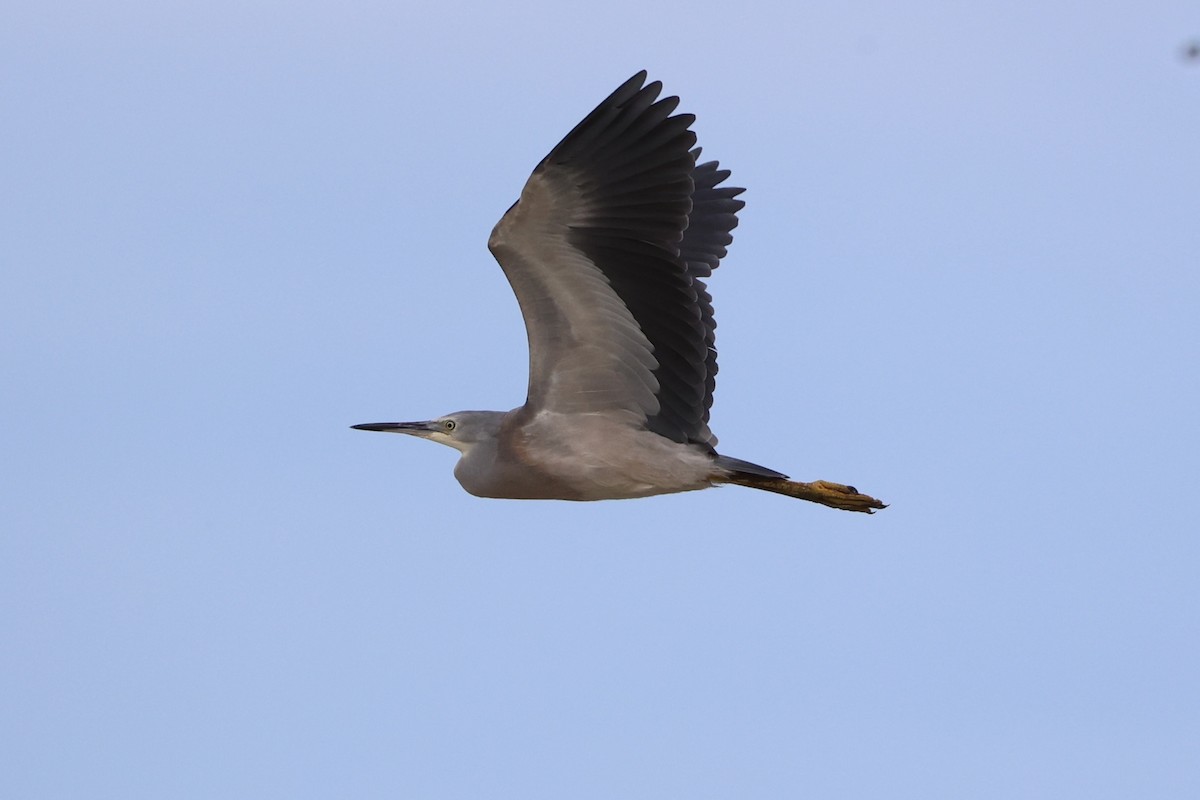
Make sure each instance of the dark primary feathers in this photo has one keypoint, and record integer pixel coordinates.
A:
(622, 198)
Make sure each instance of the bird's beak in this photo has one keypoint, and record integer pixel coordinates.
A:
(411, 428)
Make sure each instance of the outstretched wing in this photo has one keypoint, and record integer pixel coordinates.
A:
(607, 279)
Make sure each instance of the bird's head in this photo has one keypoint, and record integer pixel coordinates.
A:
(460, 430)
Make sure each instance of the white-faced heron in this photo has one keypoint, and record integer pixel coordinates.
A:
(606, 250)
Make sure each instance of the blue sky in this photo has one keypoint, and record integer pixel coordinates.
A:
(966, 281)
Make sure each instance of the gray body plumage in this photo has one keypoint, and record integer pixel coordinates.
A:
(606, 250)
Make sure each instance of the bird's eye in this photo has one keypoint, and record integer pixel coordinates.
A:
(449, 425)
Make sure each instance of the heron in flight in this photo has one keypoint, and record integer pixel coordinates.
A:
(607, 250)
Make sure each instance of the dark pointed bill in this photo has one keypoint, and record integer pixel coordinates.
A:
(416, 428)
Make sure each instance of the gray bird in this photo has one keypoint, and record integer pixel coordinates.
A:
(606, 250)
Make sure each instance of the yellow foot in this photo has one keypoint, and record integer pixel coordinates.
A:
(827, 493)
(838, 495)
